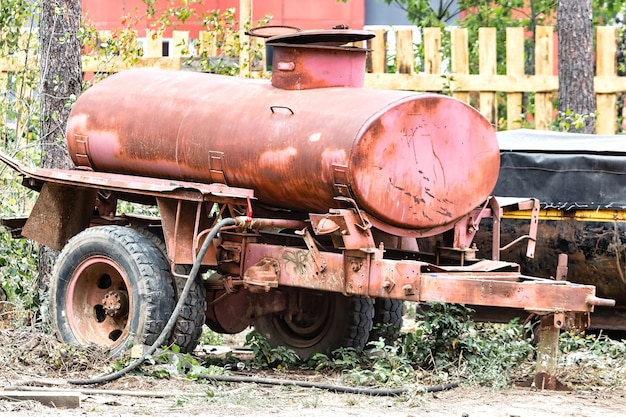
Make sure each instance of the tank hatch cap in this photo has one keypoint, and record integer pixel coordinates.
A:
(272, 30)
(318, 59)
(334, 37)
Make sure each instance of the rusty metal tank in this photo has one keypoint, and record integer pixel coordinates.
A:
(414, 162)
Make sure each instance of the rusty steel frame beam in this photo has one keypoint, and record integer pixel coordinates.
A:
(67, 200)
(35, 178)
(351, 273)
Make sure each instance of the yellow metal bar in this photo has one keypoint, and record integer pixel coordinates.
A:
(600, 215)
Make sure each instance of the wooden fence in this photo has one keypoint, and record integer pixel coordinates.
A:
(487, 87)
(487, 83)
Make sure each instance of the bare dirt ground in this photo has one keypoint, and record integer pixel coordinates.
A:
(38, 358)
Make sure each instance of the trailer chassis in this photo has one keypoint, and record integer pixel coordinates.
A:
(354, 266)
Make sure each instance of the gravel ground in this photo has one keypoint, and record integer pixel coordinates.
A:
(41, 360)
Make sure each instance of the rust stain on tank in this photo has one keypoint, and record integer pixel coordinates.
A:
(277, 157)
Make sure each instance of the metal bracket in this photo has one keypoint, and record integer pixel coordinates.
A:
(262, 276)
(216, 166)
(498, 208)
(364, 223)
(340, 180)
(318, 259)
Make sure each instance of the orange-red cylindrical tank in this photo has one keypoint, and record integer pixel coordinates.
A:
(414, 162)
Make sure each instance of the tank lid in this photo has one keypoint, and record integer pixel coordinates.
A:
(334, 37)
(272, 30)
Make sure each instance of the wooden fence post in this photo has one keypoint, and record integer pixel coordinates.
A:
(487, 63)
(544, 65)
(378, 56)
(432, 50)
(405, 56)
(245, 20)
(154, 44)
(208, 44)
(514, 67)
(460, 59)
(606, 66)
(180, 43)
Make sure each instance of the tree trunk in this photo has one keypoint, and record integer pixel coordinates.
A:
(61, 83)
(576, 73)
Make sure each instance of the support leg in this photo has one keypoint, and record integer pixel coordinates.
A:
(547, 356)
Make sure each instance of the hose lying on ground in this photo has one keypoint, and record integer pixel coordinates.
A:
(172, 321)
(381, 392)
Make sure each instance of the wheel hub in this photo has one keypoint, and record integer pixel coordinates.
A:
(115, 303)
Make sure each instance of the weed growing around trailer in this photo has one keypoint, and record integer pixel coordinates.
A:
(480, 356)
(440, 346)
(443, 345)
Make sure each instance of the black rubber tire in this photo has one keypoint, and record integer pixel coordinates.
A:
(100, 261)
(341, 322)
(188, 328)
(388, 320)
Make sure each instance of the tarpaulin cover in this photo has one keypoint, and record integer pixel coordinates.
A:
(563, 170)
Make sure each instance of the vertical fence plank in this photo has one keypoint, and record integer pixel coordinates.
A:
(245, 22)
(154, 44)
(180, 43)
(432, 50)
(459, 58)
(544, 65)
(208, 45)
(259, 59)
(487, 64)
(378, 56)
(606, 65)
(4, 93)
(405, 56)
(514, 67)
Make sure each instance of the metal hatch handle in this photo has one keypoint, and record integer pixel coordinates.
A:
(272, 108)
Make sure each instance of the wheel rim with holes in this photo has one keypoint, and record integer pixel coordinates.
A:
(309, 325)
(110, 287)
(99, 302)
(318, 322)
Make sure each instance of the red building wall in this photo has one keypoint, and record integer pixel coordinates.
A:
(318, 14)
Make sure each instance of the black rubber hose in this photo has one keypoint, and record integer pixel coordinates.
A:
(380, 392)
(172, 321)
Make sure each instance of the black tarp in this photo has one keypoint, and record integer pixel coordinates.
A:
(563, 170)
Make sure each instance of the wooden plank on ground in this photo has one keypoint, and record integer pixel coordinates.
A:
(48, 398)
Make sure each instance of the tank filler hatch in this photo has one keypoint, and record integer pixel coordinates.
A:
(318, 59)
